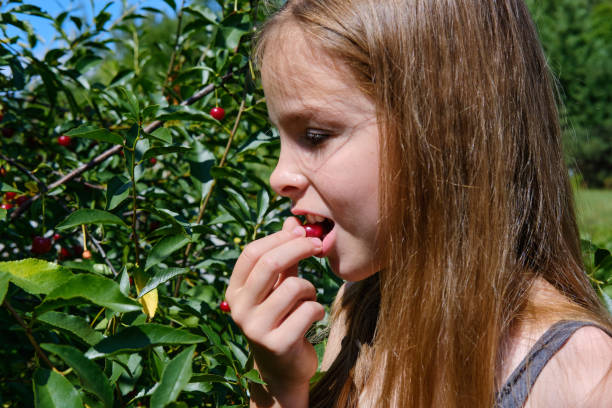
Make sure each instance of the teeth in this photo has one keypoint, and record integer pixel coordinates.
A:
(313, 219)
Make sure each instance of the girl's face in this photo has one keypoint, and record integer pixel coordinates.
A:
(328, 165)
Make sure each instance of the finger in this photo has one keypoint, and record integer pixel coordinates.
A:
(254, 250)
(291, 271)
(290, 224)
(267, 270)
(298, 322)
(283, 300)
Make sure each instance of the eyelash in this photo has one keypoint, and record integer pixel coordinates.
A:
(315, 137)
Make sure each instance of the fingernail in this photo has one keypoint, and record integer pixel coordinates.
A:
(316, 242)
(299, 231)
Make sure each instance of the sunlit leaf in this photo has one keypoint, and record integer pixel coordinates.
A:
(92, 377)
(175, 377)
(52, 390)
(164, 248)
(94, 288)
(94, 133)
(88, 216)
(35, 275)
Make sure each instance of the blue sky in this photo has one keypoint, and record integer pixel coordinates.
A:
(81, 8)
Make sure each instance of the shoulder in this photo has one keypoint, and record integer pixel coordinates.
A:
(579, 375)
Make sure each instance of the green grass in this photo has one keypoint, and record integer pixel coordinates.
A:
(594, 211)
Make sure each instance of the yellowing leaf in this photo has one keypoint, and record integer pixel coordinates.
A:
(148, 300)
(32, 187)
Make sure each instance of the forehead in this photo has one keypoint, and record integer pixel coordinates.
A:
(299, 75)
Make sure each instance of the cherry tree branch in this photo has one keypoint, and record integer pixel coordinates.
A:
(113, 150)
(28, 332)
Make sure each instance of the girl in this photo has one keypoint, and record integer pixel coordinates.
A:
(421, 139)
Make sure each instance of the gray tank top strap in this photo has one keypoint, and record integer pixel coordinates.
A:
(514, 393)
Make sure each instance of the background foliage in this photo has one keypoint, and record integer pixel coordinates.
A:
(163, 197)
(577, 38)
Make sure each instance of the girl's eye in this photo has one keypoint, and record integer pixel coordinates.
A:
(315, 137)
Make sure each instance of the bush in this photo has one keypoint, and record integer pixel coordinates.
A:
(126, 204)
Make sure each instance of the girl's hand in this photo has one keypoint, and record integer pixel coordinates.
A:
(274, 307)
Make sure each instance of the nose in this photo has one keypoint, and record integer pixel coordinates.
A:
(287, 179)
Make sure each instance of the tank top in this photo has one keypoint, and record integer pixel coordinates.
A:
(514, 393)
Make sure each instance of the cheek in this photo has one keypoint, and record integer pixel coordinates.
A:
(352, 189)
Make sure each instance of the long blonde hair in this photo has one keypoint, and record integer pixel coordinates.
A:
(474, 194)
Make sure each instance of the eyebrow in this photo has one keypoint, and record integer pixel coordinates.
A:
(303, 114)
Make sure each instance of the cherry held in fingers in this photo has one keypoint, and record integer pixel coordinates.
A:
(224, 306)
(314, 230)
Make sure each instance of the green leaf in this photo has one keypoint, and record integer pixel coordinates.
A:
(164, 248)
(263, 203)
(99, 134)
(74, 324)
(36, 275)
(96, 289)
(4, 281)
(141, 336)
(130, 102)
(162, 134)
(178, 112)
(88, 216)
(159, 151)
(92, 377)
(208, 378)
(124, 281)
(150, 111)
(161, 276)
(238, 353)
(5, 188)
(253, 376)
(175, 377)
(118, 189)
(52, 390)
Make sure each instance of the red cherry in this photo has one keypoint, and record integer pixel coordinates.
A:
(64, 140)
(64, 253)
(41, 245)
(152, 160)
(10, 195)
(8, 132)
(21, 199)
(6, 206)
(314, 230)
(57, 237)
(86, 254)
(217, 113)
(224, 306)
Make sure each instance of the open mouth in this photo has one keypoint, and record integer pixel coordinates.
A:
(317, 226)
